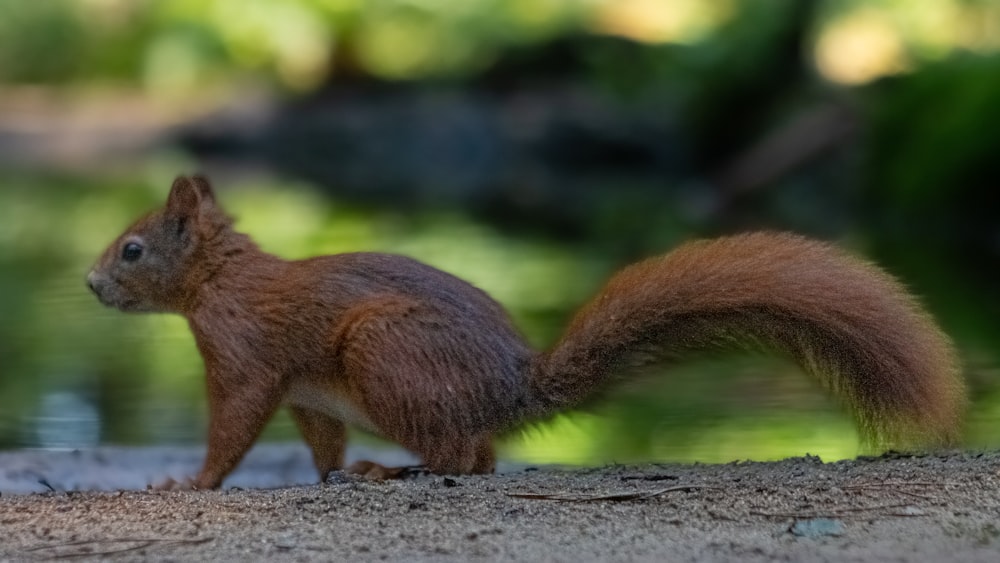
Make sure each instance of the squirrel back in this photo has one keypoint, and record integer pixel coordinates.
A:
(427, 360)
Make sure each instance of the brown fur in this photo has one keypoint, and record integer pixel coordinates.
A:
(427, 360)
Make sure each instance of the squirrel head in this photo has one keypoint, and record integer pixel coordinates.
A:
(158, 262)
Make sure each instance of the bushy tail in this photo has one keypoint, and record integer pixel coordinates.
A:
(842, 319)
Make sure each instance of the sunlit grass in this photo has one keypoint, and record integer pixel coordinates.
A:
(570, 439)
(588, 439)
(736, 406)
(764, 438)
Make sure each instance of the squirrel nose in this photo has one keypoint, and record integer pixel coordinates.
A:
(90, 282)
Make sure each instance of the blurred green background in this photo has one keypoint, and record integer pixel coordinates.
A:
(529, 146)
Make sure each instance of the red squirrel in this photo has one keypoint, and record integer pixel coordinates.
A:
(425, 359)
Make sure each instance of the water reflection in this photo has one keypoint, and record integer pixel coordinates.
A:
(65, 420)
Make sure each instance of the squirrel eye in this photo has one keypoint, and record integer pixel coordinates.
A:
(131, 252)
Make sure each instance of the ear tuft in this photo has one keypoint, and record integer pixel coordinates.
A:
(184, 198)
(204, 187)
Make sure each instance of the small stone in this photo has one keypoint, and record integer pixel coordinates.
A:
(817, 527)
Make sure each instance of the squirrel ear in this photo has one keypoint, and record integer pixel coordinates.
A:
(184, 203)
(184, 198)
(204, 187)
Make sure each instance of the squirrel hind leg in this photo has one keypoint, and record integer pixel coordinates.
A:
(461, 455)
(407, 366)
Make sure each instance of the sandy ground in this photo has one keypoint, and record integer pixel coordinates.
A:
(891, 508)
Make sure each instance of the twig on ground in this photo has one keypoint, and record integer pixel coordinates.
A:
(828, 513)
(622, 496)
(142, 544)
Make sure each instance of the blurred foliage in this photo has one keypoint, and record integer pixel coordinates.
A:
(932, 172)
(174, 46)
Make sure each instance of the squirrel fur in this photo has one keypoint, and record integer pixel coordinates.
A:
(425, 359)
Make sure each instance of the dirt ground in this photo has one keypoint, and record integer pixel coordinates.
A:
(891, 508)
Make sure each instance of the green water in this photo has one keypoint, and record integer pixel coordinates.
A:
(74, 374)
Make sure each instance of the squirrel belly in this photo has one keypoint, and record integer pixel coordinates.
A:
(427, 360)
